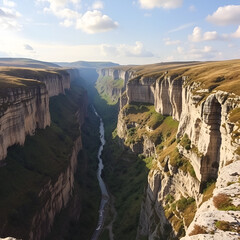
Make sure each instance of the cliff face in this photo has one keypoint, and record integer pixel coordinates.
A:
(205, 121)
(112, 82)
(207, 142)
(56, 83)
(57, 196)
(23, 109)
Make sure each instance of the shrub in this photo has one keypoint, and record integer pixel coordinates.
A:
(183, 203)
(186, 142)
(197, 230)
(223, 202)
(223, 225)
(169, 198)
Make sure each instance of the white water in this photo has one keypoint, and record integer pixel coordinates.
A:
(105, 195)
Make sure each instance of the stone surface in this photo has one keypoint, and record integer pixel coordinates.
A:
(25, 109)
(206, 122)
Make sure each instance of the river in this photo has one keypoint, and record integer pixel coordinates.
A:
(105, 195)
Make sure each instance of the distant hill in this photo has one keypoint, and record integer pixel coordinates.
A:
(84, 64)
(26, 62)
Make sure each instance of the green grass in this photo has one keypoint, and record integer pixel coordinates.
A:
(109, 89)
(126, 176)
(124, 173)
(43, 157)
(186, 142)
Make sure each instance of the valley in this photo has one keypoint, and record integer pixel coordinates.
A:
(171, 155)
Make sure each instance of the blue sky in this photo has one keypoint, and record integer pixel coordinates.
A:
(123, 31)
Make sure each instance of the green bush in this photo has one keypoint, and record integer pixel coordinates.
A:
(186, 142)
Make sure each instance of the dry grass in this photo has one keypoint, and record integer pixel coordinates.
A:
(208, 192)
(197, 230)
(221, 200)
(24, 77)
(222, 75)
(224, 202)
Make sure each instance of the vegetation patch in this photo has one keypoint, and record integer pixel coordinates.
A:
(224, 202)
(186, 142)
(188, 208)
(208, 191)
(197, 230)
(109, 89)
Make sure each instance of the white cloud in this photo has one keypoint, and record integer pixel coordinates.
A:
(64, 13)
(198, 36)
(8, 3)
(57, 4)
(67, 23)
(179, 28)
(236, 34)
(9, 19)
(94, 21)
(124, 50)
(198, 53)
(97, 5)
(169, 42)
(90, 22)
(149, 4)
(226, 15)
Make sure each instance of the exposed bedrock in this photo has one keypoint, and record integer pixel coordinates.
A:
(204, 119)
(57, 195)
(23, 109)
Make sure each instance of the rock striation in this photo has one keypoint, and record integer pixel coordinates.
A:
(205, 122)
(57, 195)
(25, 108)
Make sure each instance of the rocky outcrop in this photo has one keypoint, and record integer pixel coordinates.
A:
(112, 82)
(205, 123)
(57, 195)
(219, 223)
(56, 83)
(23, 109)
(117, 73)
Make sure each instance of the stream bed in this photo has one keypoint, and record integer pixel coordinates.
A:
(104, 192)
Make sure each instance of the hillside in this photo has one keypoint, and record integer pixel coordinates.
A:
(25, 62)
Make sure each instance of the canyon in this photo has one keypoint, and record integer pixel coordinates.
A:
(171, 158)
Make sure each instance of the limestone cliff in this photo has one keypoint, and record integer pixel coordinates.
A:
(57, 195)
(24, 102)
(112, 82)
(22, 111)
(207, 140)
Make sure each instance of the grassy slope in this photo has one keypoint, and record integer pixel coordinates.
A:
(222, 75)
(86, 193)
(103, 85)
(42, 158)
(24, 77)
(25, 62)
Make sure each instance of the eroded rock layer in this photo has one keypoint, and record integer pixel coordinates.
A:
(205, 148)
(25, 108)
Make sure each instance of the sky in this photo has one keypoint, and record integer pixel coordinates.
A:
(121, 31)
